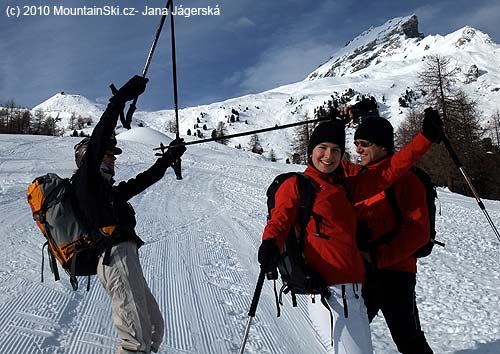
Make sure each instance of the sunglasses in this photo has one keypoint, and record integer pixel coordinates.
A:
(363, 143)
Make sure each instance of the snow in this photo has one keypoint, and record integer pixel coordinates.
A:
(202, 236)
(394, 62)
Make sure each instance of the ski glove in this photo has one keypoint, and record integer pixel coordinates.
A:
(269, 255)
(132, 89)
(174, 152)
(432, 126)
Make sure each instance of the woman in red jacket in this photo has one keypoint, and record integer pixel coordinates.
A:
(330, 247)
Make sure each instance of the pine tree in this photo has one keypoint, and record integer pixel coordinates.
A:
(221, 132)
(171, 126)
(72, 122)
(255, 145)
(494, 128)
(437, 81)
(272, 155)
(37, 123)
(462, 128)
(302, 134)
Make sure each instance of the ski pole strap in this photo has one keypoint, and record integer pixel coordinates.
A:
(114, 91)
(130, 113)
(256, 294)
(278, 311)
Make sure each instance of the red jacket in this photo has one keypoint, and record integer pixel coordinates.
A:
(334, 254)
(412, 232)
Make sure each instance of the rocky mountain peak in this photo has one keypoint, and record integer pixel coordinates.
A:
(370, 46)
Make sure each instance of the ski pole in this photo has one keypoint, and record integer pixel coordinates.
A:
(460, 167)
(177, 165)
(357, 112)
(253, 308)
(277, 127)
(263, 130)
(126, 122)
(174, 68)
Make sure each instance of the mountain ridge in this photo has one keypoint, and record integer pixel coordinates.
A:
(384, 63)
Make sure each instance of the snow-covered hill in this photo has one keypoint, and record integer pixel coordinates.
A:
(202, 235)
(382, 62)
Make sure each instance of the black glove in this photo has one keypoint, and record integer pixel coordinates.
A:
(432, 126)
(269, 256)
(175, 149)
(133, 88)
(173, 153)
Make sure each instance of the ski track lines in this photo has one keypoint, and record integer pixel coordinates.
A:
(202, 236)
(208, 247)
(475, 288)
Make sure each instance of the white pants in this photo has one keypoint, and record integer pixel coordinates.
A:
(135, 312)
(350, 335)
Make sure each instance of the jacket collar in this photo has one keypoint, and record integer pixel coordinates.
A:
(327, 177)
(377, 163)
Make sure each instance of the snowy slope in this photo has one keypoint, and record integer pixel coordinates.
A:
(202, 235)
(382, 61)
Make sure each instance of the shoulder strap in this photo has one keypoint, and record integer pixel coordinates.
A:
(306, 188)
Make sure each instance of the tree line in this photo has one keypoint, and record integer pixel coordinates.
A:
(17, 120)
(477, 146)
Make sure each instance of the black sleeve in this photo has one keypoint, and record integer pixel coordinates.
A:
(91, 191)
(136, 185)
(100, 136)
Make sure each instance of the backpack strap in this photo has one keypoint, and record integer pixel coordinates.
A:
(43, 258)
(325, 294)
(53, 264)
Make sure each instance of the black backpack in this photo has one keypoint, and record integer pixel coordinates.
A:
(430, 197)
(292, 266)
(69, 240)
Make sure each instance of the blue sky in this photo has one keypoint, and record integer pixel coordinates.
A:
(250, 47)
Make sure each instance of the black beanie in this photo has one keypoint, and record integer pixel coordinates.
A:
(377, 130)
(327, 132)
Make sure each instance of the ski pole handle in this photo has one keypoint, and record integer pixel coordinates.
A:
(256, 294)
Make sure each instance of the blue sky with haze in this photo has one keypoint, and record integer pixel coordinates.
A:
(250, 47)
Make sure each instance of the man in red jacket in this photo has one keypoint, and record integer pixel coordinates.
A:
(395, 236)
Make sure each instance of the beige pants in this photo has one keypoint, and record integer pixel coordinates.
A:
(135, 312)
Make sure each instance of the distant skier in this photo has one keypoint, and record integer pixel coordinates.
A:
(394, 238)
(330, 248)
(105, 208)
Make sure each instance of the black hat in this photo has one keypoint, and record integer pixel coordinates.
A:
(81, 149)
(327, 132)
(377, 130)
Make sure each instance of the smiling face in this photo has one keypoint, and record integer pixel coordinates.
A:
(326, 157)
(369, 152)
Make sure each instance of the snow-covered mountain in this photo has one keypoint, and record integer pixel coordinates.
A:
(382, 62)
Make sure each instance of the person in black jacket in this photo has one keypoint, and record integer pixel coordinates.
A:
(105, 208)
